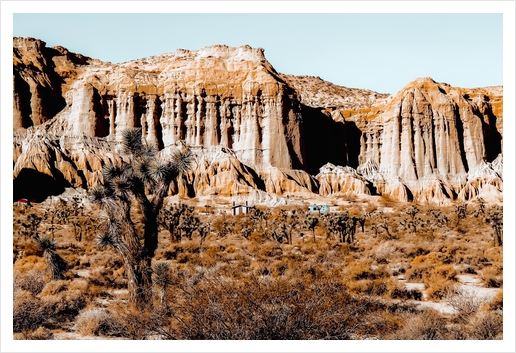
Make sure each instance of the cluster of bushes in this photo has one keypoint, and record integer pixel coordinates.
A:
(236, 287)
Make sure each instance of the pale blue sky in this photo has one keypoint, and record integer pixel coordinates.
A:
(382, 52)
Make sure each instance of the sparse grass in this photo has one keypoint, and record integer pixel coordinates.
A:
(232, 287)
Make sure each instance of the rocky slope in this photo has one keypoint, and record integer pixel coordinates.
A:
(251, 127)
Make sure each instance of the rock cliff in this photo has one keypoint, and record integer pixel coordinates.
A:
(251, 127)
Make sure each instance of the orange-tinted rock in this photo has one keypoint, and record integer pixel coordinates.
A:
(253, 128)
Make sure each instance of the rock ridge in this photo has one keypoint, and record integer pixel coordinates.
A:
(273, 132)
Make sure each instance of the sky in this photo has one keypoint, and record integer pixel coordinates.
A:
(382, 52)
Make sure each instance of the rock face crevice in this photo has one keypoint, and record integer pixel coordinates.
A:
(37, 86)
(428, 142)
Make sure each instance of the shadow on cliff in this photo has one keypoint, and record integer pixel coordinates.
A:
(36, 186)
(47, 95)
(329, 141)
(492, 137)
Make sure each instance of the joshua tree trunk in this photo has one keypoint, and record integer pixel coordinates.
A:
(497, 237)
(139, 286)
(52, 264)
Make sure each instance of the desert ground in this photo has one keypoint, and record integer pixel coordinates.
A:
(397, 271)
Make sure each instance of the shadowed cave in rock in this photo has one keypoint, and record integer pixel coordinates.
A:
(329, 141)
(36, 186)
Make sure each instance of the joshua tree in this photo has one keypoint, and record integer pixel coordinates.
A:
(55, 263)
(57, 213)
(188, 222)
(30, 228)
(361, 220)
(260, 216)
(224, 228)
(204, 230)
(412, 211)
(311, 223)
(280, 233)
(344, 225)
(143, 181)
(439, 218)
(169, 217)
(289, 222)
(460, 210)
(495, 219)
(76, 213)
(385, 226)
(161, 279)
(375, 229)
(246, 231)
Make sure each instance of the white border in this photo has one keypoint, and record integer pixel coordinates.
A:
(10, 7)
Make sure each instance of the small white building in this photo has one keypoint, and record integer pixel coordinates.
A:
(240, 209)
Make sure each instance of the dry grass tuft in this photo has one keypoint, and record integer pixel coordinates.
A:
(98, 322)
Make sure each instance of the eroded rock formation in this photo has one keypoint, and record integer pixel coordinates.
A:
(251, 127)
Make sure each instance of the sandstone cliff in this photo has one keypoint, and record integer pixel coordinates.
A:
(251, 127)
(214, 96)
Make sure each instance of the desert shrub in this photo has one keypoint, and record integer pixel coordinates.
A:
(398, 290)
(119, 279)
(32, 281)
(28, 248)
(440, 281)
(446, 272)
(486, 325)
(135, 324)
(60, 303)
(214, 252)
(310, 270)
(438, 278)
(492, 276)
(104, 259)
(270, 250)
(466, 303)
(260, 268)
(101, 276)
(54, 287)
(376, 287)
(30, 262)
(497, 301)
(173, 251)
(426, 325)
(41, 333)
(97, 322)
(494, 255)
(385, 252)
(28, 311)
(96, 291)
(362, 270)
(422, 265)
(191, 246)
(183, 258)
(412, 251)
(66, 304)
(277, 309)
(279, 268)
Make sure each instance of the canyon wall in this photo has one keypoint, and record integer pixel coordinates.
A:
(251, 127)
(214, 96)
